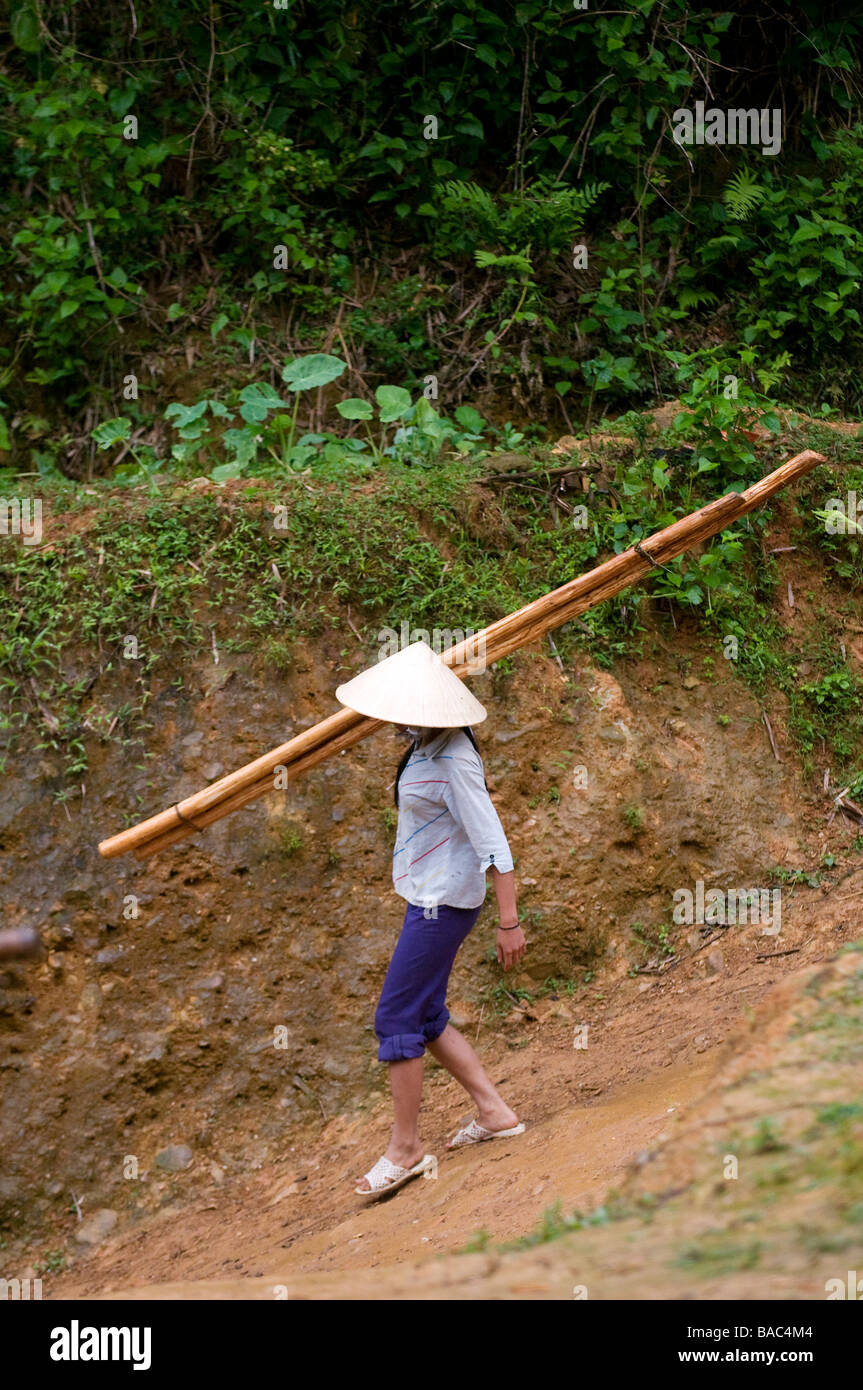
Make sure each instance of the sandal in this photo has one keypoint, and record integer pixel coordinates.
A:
(474, 1133)
(385, 1176)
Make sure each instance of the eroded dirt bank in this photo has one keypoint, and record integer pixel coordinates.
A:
(152, 1132)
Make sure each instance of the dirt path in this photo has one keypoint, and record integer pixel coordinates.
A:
(654, 1049)
(500, 1188)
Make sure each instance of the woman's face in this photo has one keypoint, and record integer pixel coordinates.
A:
(408, 731)
(417, 735)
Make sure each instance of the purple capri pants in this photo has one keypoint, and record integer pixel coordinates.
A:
(412, 1008)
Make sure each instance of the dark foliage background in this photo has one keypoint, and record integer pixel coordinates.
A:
(305, 128)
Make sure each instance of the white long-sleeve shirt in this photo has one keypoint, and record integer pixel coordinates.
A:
(448, 832)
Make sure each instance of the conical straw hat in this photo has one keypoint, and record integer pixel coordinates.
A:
(412, 687)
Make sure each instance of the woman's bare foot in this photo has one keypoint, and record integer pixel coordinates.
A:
(495, 1117)
(403, 1156)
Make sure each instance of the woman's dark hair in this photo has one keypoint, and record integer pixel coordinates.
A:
(406, 757)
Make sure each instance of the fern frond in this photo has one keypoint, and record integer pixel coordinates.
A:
(469, 199)
(485, 259)
(742, 194)
(689, 299)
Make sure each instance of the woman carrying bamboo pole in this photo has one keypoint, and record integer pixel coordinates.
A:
(448, 838)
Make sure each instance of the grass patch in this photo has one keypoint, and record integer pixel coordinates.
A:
(716, 1255)
(136, 580)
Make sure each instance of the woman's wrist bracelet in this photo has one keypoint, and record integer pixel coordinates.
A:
(512, 928)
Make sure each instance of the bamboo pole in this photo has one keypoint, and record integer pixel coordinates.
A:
(345, 728)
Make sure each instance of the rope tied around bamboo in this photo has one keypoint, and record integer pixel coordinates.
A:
(345, 728)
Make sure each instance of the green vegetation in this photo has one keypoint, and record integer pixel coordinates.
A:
(654, 941)
(443, 192)
(52, 1262)
(554, 1223)
(135, 579)
(716, 1255)
(477, 1243)
(290, 841)
(256, 429)
(500, 998)
(766, 1138)
(839, 1114)
(297, 256)
(556, 987)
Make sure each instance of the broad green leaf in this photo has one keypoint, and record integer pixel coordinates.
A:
(355, 409)
(470, 419)
(242, 444)
(300, 455)
(427, 420)
(183, 415)
(394, 402)
(111, 432)
(46, 466)
(307, 373)
(805, 232)
(227, 470)
(24, 28)
(258, 400)
(835, 258)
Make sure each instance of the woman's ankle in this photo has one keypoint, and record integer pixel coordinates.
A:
(498, 1115)
(402, 1151)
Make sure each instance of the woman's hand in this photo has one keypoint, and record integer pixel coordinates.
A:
(511, 946)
